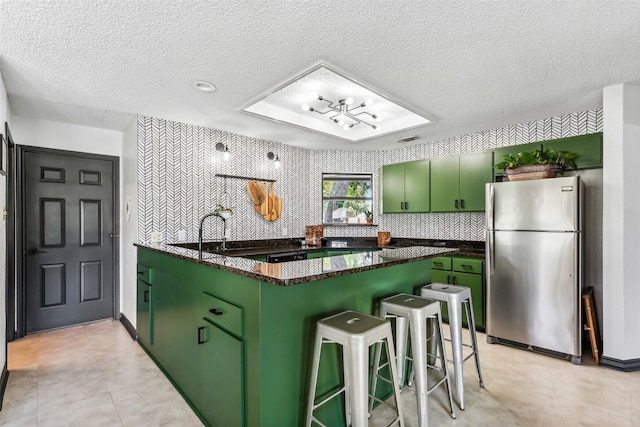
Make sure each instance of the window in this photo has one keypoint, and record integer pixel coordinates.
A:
(346, 198)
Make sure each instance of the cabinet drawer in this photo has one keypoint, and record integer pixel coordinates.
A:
(144, 273)
(441, 263)
(222, 313)
(468, 265)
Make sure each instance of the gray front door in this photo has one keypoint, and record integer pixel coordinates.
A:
(68, 222)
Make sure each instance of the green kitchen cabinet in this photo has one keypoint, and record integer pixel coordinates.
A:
(457, 182)
(144, 303)
(587, 147)
(405, 187)
(463, 271)
(219, 361)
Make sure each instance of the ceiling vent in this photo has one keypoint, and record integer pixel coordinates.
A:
(408, 139)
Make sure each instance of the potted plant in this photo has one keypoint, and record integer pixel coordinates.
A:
(536, 164)
(369, 216)
(223, 212)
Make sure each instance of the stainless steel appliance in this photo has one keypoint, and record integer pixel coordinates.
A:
(533, 250)
(286, 257)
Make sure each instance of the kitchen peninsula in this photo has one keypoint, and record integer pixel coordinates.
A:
(235, 335)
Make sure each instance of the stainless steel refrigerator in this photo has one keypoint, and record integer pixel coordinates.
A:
(533, 253)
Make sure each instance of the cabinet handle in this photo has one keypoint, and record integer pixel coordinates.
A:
(146, 296)
(438, 263)
(406, 205)
(448, 279)
(462, 203)
(200, 338)
(455, 282)
(216, 312)
(467, 267)
(456, 203)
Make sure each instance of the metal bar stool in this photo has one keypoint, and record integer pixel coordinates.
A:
(355, 332)
(416, 311)
(455, 296)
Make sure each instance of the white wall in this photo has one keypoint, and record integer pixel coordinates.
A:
(621, 222)
(66, 136)
(4, 117)
(129, 224)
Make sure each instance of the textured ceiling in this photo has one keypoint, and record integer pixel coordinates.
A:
(471, 65)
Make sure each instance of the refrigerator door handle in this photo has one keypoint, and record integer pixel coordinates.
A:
(489, 207)
(490, 253)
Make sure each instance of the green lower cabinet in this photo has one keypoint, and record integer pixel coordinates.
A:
(474, 280)
(144, 317)
(220, 396)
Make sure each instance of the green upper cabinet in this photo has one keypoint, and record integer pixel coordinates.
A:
(588, 148)
(405, 187)
(457, 182)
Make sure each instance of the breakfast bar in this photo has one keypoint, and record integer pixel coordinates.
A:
(235, 334)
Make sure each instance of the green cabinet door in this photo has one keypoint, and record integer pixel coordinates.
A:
(474, 282)
(587, 147)
(475, 171)
(445, 184)
(393, 188)
(144, 319)
(220, 361)
(416, 186)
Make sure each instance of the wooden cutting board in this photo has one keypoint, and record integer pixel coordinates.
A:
(277, 208)
(271, 205)
(256, 192)
(264, 207)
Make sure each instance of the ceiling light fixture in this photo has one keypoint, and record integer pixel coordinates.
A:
(343, 112)
(275, 159)
(226, 154)
(203, 86)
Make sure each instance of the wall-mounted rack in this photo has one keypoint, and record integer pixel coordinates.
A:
(246, 178)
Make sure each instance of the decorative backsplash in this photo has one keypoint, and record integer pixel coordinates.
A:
(177, 164)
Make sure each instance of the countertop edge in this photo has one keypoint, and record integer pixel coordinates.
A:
(219, 263)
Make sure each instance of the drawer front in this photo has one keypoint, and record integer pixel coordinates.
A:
(222, 313)
(144, 273)
(441, 263)
(468, 265)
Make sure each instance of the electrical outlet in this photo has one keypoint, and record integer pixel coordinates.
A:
(284, 231)
(156, 236)
(182, 235)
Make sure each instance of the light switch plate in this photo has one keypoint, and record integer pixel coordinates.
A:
(156, 236)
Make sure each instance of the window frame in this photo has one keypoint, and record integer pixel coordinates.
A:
(363, 177)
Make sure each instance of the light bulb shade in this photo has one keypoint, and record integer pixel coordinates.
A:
(276, 163)
(346, 127)
(368, 102)
(226, 155)
(340, 122)
(306, 107)
(348, 101)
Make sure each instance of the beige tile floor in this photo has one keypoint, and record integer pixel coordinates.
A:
(95, 375)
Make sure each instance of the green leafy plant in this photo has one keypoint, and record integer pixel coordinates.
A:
(368, 214)
(219, 208)
(563, 159)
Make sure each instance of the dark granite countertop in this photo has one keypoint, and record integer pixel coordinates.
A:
(295, 272)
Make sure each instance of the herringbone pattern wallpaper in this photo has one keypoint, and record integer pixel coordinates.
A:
(177, 164)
